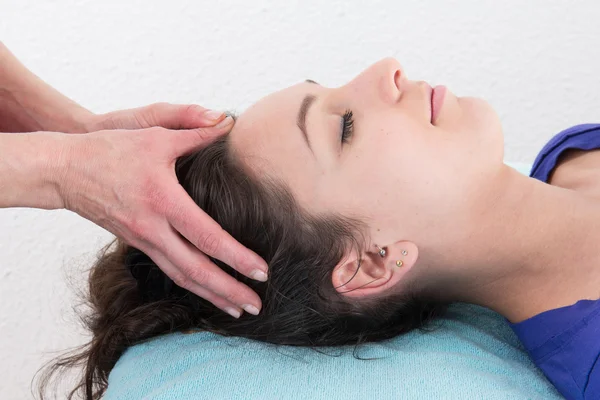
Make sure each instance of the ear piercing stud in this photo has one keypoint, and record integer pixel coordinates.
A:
(381, 251)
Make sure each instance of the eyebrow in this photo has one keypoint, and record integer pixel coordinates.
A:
(301, 119)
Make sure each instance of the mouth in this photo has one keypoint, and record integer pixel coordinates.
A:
(430, 103)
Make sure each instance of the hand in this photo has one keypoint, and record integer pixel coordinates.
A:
(125, 182)
(170, 116)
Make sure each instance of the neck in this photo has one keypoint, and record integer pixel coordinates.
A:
(534, 248)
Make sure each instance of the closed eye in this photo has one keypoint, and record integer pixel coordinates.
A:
(347, 126)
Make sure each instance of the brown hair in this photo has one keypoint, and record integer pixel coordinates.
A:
(131, 300)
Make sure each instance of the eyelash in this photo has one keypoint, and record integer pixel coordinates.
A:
(347, 126)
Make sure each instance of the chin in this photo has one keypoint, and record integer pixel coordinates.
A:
(483, 129)
(481, 115)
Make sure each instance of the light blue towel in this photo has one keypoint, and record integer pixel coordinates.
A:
(472, 354)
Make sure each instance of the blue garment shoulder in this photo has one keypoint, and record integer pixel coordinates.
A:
(582, 137)
(565, 343)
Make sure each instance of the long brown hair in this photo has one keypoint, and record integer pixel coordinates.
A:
(131, 300)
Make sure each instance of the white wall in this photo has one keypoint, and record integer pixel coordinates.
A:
(536, 61)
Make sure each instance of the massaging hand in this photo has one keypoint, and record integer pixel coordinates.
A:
(121, 177)
(124, 180)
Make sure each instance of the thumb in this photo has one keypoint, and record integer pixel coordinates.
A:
(186, 141)
(177, 116)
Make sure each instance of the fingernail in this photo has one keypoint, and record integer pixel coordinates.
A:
(250, 309)
(259, 275)
(227, 121)
(214, 115)
(233, 312)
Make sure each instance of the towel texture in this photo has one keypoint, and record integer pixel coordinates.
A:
(471, 353)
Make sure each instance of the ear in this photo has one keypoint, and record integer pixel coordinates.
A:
(376, 275)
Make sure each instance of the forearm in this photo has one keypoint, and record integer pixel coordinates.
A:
(30, 169)
(28, 104)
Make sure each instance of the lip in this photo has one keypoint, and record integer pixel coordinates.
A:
(430, 93)
(436, 101)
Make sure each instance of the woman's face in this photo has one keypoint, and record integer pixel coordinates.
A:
(402, 173)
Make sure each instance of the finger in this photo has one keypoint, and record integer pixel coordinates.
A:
(178, 116)
(187, 141)
(171, 271)
(195, 269)
(204, 233)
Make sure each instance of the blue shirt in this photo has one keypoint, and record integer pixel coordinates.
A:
(565, 342)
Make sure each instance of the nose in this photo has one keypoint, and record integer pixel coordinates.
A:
(383, 80)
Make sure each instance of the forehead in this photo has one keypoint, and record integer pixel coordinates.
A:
(268, 141)
(281, 105)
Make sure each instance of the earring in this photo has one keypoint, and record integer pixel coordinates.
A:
(404, 252)
(399, 263)
(381, 251)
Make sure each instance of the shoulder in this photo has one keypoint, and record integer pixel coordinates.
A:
(564, 344)
(578, 170)
(571, 159)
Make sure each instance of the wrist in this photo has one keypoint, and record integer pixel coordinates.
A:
(32, 169)
(56, 115)
(76, 119)
(58, 166)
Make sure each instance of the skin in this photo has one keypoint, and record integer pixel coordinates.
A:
(137, 198)
(474, 229)
(578, 170)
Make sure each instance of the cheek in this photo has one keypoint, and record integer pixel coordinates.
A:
(404, 169)
(397, 157)
(424, 170)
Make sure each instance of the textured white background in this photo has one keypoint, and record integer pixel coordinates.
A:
(537, 62)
